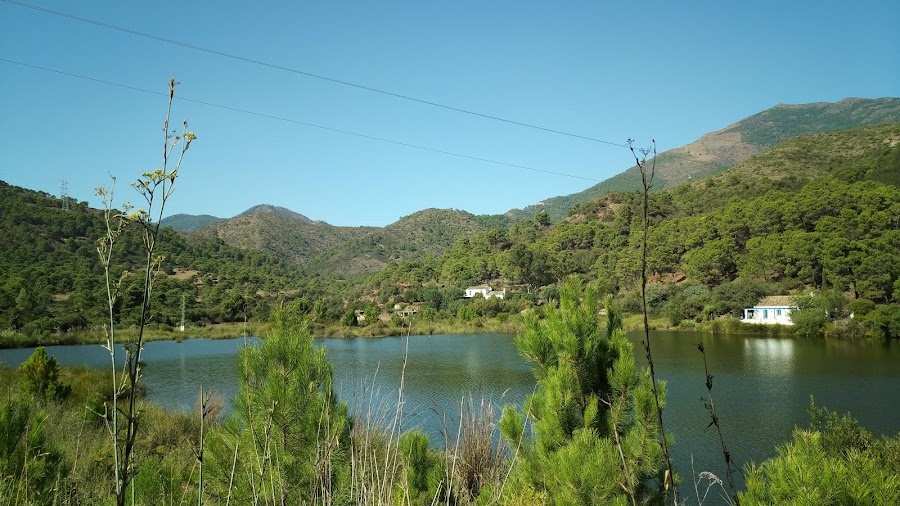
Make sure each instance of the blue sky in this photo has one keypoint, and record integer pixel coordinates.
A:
(607, 70)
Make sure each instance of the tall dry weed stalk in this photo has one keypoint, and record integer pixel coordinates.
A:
(375, 457)
(477, 458)
(710, 406)
(648, 173)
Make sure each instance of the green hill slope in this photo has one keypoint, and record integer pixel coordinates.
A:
(52, 279)
(815, 212)
(716, 151)
(275, 210)
(427, 232)
(281, 234)
(189, 222)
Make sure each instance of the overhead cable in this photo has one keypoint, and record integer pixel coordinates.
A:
(304, 123)
(305, 73)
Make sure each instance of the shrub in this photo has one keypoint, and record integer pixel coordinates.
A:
(349, 318)
(424, 469)
(732, 297)
(287, 413)
(885, 321)
(834, 461)
(29, 464)
(688, 304)
(861, 307)
(40, 376)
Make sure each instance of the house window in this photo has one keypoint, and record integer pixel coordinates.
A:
(765, 314)
(777, 312)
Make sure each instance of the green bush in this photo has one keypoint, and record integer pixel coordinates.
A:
(29, 465)
(861, 307)
(424, 467)
(731, 297)
(885, 321)
(286, 410)
(833, 462)
(40, 376)
(688, 304)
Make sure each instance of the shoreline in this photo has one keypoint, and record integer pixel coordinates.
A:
(380, 329)
(10, 340)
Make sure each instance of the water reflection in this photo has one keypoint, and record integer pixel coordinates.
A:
(440, 371)
(769, 356)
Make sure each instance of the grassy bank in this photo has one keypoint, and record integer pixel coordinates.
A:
(12, 339)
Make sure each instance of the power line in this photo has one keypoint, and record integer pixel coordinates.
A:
(305, 73)
(298, 122)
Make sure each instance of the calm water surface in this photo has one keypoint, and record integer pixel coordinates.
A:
(761, 386)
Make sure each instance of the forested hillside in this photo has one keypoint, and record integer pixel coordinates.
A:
(821, 212)
(286, 236)
(430, 232)
(189, 222)
(719, 150)
(53, 280)
(818, 213)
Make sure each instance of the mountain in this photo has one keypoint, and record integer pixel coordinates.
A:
(860, 154)
(274, 210)
(194, 222)
(813, 212)
(345, 251)
(719, 150)
(281, 232)
(189, 222)
(427, 232)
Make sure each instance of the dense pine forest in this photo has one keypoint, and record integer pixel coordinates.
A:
(815, 217)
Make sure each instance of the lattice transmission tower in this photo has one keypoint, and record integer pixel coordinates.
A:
(64, 193)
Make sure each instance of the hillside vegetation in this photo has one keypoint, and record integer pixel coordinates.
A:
(717, 151)
(816, 213)
(189, 222)
(53, 284)
(292, 239)
(426, 233)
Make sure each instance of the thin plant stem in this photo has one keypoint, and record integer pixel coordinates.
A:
(647, 184)
(231, 478)
(152, 186)
(714, 420)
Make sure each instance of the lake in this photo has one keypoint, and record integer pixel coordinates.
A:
(761, 387)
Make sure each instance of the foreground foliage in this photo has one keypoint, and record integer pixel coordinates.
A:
(592, 405)
(832, 462)
(288, 435)
(583, 438)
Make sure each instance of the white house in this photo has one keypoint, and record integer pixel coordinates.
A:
(485, 292)
(771, 310)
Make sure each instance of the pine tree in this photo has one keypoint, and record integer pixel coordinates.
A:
(290, 431)
(594, 430)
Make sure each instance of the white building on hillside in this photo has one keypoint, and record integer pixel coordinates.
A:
(485, 292)
(771, 310)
